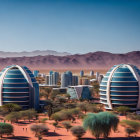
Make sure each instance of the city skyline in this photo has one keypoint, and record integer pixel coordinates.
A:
(76, 26)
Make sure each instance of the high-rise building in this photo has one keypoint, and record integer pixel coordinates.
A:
(91, 73)
(66, 79)
(121, 87)
(35, 72)
(53, 78)
(74, 80)
(81, 73)
(47, 79)
(69, 74)
(18, 85)
(97, 75)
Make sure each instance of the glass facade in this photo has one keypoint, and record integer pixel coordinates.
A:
(19, 86)
(77, 92)
(120, 86)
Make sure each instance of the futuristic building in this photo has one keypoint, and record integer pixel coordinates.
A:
(121, 87)
(80, 91)
(18, 85)
(66, 79)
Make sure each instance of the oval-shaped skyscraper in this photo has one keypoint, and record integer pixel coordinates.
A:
(18, 85)
(121, 87)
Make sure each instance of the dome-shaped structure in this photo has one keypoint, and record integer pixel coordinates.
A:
(121, 86)
(18, 85)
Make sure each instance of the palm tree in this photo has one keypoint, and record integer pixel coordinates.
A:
(101, 124)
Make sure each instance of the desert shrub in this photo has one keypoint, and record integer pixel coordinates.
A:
(133, 116)
(66, 125)
(6, 129)
(131, 124)
(93, 108)
(58, 116)
(44, 120)
(130, 131)
(77, 131)
(122, 109)
(83, 106)
(101, 124)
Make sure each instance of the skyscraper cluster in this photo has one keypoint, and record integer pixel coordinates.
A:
(52, 78)
(68, 79)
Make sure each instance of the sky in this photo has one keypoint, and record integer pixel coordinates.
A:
(75, 26)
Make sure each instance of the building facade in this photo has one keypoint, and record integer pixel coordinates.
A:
(35, 72)
(66, 79)
(18, 85)
(79, 92)
(81, 73)
(121, 87)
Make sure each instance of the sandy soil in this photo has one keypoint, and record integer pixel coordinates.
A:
(21, 133)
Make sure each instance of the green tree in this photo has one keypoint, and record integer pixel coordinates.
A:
(39, 130)
(13, 116)
(10, 107)
(6, 129)
(122, 109)
(66, 125)
(77, 131)
(57, 116)
(29, 114)
(101, 124)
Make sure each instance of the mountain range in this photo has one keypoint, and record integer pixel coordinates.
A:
(92, 60)
(32, 53)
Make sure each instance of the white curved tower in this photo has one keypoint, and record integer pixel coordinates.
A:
(121, 86)
(18, 85)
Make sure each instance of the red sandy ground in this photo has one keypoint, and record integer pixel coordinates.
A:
(60, 133)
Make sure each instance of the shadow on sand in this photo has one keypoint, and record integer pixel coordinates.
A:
(116, 138)
(53, 134)
(16, 138)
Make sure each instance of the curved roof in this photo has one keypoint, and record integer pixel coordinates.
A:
(18, 85)
(120, 86)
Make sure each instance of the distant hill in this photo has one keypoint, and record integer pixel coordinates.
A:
(95, 60)
(33, 53)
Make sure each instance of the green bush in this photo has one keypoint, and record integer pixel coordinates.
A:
(130, 131)
(77, 131)
(101, 124)
(131, 124)
(6, 129)
(122, 109)
(44, 120)
(67, 125)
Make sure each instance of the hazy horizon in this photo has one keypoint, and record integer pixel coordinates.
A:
(74, 26)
